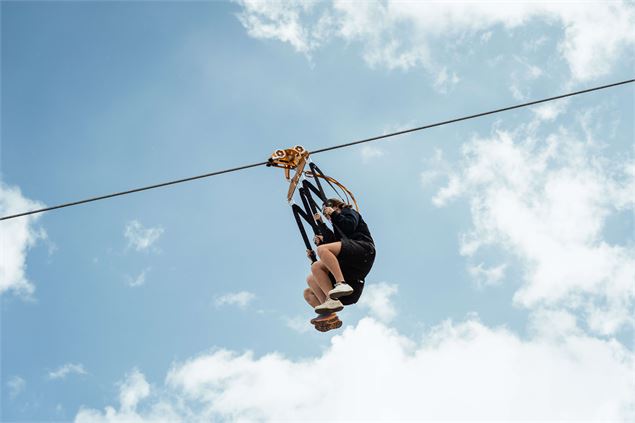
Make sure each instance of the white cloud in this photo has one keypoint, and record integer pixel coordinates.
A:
(535, 44)
(140, 279)
(377, 299)
(487, 276)
(67, 369)
(299, 324)
(546, 202)
(595, 35)
(370, 152)
(530, 71)
(370, 372)
(521, 76)
(445, 81)
(17, 237)
(551, 110)
(133, 390)
(435, 168)
(281, 20)
(240, 299)
(427, 177)
(141, 238)
(517, 92)
(446, 193)
(401, 35)
(16, 386)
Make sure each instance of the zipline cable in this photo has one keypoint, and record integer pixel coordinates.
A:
(322, 150)
(491, 112)
(116, 194)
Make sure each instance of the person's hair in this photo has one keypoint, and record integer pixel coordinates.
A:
(336, 203)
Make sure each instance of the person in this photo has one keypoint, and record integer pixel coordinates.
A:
(347, 252)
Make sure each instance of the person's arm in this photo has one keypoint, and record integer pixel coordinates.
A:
(346, 220)
(327, 234)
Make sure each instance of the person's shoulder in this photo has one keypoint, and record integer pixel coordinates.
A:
(350, 210)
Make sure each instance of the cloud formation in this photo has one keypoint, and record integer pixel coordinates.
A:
(240, 299)
(546, 201)
(132, 390)
(141, 238)
(139, 280)
(561, 374)
(377, 298)
(17, 237)
(370, 153)
(402, 35)
(16, 385)
(445, 81)
(487, 276)
(299, 324)
(67, 369)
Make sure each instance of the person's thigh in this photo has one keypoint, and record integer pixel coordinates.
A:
(333, 247)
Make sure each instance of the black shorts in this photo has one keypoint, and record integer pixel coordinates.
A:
(356, 258)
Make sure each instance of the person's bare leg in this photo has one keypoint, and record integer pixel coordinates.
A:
(321, 277)
(310, 298)
(314, 286)
(328, 256)
(329, 319)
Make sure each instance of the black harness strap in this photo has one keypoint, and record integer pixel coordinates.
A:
(319, 191)
(299, 213)
(310, 209)
(316, 171)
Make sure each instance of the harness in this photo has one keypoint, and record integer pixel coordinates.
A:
(297, 158)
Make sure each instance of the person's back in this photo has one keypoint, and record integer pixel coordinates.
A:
(348, 223)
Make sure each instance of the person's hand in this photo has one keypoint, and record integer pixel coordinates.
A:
(309, 253)
(328, 211)
(317, 217)
(318, 239)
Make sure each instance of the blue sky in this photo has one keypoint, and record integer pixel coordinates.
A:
(505, 244)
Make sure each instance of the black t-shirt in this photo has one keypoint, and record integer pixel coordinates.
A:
(347, 224)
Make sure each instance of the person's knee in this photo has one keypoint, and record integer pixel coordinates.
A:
(309, 280)
(322, 250)
(308, 294)
(316, 267)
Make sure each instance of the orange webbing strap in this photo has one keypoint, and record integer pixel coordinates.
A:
(296, 178)
(336, 182)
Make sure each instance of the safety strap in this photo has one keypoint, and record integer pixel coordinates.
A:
(297, 158)
(309, 209)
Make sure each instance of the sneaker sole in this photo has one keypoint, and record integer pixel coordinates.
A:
(324, 318)
(328, 327)
(338, 295)
(329, 310)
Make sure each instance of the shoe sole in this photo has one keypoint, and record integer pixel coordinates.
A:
(329, 310)
(338, 295)
(324, 318)
(325, 327)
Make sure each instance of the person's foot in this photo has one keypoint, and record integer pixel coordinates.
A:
(329, 306)
(341, 289)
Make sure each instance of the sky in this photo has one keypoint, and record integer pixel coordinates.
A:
(504, 282)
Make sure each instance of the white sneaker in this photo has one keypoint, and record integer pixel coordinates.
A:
(340, 289)
(329, 306)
